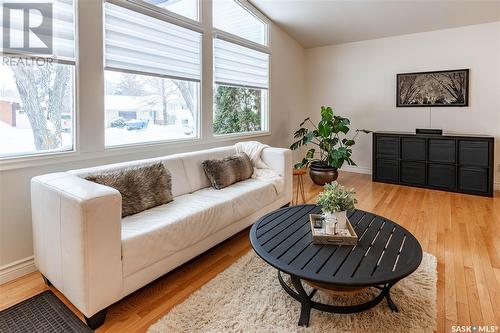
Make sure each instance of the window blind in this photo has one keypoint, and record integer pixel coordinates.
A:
(140, 43)
(240, 66)
(62, 34)
(232, 17)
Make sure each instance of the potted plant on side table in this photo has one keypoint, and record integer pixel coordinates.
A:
(332, 145)
(335, 201)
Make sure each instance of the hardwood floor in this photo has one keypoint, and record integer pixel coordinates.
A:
(462, 231)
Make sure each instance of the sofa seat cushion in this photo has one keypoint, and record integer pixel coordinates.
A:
(159, 232)
(247, 196)
(154, 234)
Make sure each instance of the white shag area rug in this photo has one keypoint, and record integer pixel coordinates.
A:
(247, 297)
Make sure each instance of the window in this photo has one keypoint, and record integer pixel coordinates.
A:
(37, 83)
(187, 8)
(152, 79)
(241, 77)
(232, 17)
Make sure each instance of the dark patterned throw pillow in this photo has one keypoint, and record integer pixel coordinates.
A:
(141, 187)
(223, 172)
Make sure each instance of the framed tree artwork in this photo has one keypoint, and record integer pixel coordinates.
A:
(441, 88)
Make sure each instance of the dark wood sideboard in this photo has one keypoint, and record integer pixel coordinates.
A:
(457, 163)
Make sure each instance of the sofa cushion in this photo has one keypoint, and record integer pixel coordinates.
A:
(247, 196)
(223, 172)
(156, 233)
(141, 187)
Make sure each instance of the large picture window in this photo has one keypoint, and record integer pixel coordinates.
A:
(37, 87)
(241, 76)
(152, 79)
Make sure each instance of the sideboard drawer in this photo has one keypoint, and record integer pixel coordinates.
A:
(473, 179)
(413, 149)
(442, 150)
(387, 170)
(413, 172)
(473, 153)
(387, 147)
(442, 175)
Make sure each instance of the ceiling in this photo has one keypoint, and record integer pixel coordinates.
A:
(324, 22)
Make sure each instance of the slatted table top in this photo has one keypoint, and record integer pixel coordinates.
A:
(385, 252)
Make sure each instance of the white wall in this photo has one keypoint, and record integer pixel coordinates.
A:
(286, 107)
(359, 81)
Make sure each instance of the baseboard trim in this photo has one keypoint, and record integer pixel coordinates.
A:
(496, 186)
(17, 269)
(356, 169)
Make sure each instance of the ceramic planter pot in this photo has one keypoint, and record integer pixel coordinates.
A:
(322, 174)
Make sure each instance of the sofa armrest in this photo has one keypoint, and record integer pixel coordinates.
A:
(77, 239)
(280, 159)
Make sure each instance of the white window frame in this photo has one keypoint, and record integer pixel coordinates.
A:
(229, 37)
(151, 10)
(21, 158)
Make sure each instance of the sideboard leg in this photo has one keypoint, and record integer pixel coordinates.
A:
(305, 301)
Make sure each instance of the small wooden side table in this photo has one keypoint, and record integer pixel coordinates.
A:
(300, 185)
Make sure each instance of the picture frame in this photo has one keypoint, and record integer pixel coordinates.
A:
(447, 88)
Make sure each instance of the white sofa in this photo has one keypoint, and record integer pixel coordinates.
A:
(95, 257)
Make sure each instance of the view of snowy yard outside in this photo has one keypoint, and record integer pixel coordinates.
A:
(138, 109)
(142, 108)
(54, 128)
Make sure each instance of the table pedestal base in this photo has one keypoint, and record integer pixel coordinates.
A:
(307, 303)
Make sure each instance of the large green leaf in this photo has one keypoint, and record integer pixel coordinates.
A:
(341, 125)
(310, 153)
(307, 138)
(348, 142)
(296, 145)
(326, 113)
(300, 132)
(324, 129)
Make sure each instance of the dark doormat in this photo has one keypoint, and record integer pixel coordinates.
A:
(42, 313)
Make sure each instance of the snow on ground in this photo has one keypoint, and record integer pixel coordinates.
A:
(122, 136)
(19, 141)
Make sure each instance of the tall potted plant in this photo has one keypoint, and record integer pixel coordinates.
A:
(332, 145)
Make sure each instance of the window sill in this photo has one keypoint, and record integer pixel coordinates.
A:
(24, 161)
(244, 135)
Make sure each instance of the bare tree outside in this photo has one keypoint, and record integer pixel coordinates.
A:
(44, 92)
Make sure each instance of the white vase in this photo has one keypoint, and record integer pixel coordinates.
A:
(341, 218)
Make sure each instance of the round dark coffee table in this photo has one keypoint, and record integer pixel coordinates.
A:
(385, 254)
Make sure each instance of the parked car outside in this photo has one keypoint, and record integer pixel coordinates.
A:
(136, 124)
(66, 123)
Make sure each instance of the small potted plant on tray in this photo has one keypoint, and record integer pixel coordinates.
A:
(335, 201)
